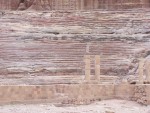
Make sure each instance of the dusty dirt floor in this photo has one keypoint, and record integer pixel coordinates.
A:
(107, 106)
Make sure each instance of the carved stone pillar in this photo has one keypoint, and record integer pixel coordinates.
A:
(140, 70)
(87, 67)
(97, 67)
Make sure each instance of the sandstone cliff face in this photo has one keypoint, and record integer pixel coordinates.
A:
(54, 43)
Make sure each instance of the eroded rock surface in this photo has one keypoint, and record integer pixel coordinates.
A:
(54, 43)
(72, 4)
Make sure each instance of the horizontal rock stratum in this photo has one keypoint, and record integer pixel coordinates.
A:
(55, 42)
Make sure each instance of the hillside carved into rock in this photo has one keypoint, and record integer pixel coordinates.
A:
(55, 42)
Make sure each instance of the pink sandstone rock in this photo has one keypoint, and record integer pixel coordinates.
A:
(73, 4)
(55, 42)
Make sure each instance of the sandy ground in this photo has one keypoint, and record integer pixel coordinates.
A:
(116, 106)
